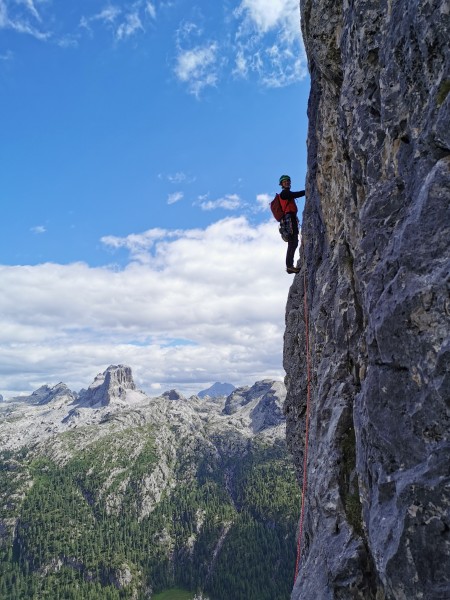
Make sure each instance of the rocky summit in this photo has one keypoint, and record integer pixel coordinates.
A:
(217, 389)
(374, 281)
(109, 494)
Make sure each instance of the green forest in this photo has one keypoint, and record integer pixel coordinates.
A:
(74, 530)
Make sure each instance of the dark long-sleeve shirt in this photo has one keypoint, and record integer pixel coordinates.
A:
(287, 201)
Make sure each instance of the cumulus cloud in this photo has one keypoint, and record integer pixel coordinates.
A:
(192, 306)
(228, 202)
(263, 201)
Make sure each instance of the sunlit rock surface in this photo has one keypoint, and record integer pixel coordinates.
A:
(375, 235)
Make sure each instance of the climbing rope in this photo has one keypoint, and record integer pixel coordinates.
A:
(308, 402)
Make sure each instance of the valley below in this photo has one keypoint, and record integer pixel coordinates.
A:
(110, 494)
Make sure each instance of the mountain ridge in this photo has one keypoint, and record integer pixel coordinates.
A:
(114, 392)
(88, 481)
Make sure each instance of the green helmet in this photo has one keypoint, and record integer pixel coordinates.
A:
(284, 178)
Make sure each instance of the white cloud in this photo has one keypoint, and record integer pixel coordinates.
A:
(263, 201)
(187, 30)
(175, 197)
(177, 178)
(270, 14)
(241, 64)
(262, 39)
(68, 41)
(139, 245)
(191, 307)
(38, 229)
(129, 27)
(254, 39)
(3, 15)
(180, 177)
(151, 10)
(106, 16)
(125, 21)
(198, 67)
(18, 22)
(228, 202)
(268, 42)
(31, 7)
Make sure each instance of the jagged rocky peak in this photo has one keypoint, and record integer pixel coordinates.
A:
(46, 394)
(262, 402)
(375, 258)
(173, 395)
(110, 386)
(217, 389)
(259, 391)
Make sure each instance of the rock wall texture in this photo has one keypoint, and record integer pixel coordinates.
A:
(375, 260)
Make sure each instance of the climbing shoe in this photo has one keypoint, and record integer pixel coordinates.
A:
(292, 270)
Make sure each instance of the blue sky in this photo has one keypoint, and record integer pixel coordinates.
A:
(141, 143)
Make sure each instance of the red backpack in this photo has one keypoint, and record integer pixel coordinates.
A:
(276, 208)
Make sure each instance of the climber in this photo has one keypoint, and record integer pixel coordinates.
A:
(290, 220)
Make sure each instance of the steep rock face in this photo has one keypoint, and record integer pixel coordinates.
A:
(108, 386)
(264, 401)
(375, 258)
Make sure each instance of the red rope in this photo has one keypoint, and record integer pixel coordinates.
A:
(305, 454)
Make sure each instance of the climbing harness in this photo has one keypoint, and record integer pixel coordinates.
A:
(308, 402)
(286, 227)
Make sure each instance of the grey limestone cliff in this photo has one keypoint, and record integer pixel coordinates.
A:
(46, 394)
(375, 270)
(107, 387)
(264, 401)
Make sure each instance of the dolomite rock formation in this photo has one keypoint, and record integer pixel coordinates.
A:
(264, 403)
(375, 259)
(107, 387)
(46, 394)
(216, 390)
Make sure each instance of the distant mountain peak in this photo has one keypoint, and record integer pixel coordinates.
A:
(173, 395)
(264, 401)
(109, 386)
(112, 397)
(46, 394)
(217, 389)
